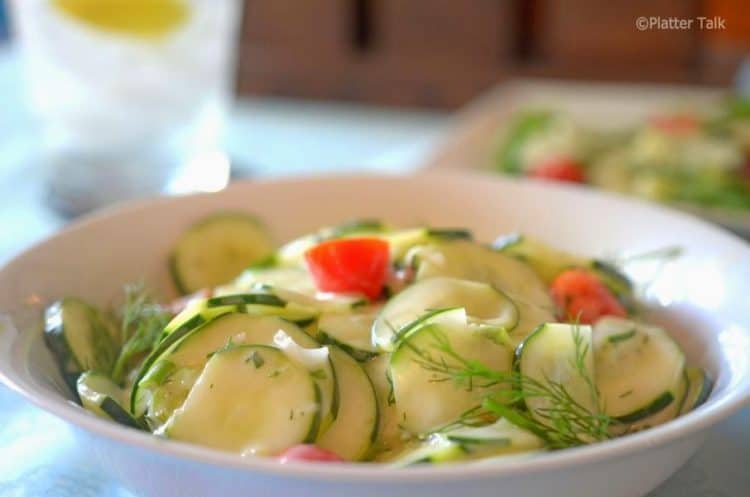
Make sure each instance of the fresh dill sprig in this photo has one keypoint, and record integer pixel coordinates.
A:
(660, 254)
(142, 321)
(648, 266)
(561, 422)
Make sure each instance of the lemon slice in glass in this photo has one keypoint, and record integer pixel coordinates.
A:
(146, 19)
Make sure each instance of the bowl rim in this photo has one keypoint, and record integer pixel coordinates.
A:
(713, 411)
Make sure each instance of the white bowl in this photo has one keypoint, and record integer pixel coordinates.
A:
(703, 297)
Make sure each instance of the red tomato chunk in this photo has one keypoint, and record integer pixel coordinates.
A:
(308, 452)
(350, 265)
(581, 296)
(559, 169)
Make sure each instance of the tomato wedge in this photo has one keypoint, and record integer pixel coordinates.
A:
(676, 124)
(350, 265)
(558, 169)
(308, 452)
(581, 295)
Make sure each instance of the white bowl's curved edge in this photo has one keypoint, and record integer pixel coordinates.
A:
(690, 424)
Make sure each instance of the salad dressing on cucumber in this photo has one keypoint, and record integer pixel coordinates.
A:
(365, 342)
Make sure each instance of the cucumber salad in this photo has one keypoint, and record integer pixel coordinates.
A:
(685, 157)
(363, 342)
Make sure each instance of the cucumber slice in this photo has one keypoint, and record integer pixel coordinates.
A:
(287, 304)
(401, 241)
(192, 351)
(242, 299)
(471, 261)
(391, 437)
(559, 354)
(321, 302)
(297, 279)
(659, 414)
(639, 369)
(217, 249)
(614, 279)
(482, 303)
(500, 437)
(192, 317)
(524, 128)
(434, 449)
(264, 304)
(252, 400)
(356, 426)
(548, 262)
(427, 400)
(349, 331)
(699, 388)
(195, 314)
(78, 340)
(103, 397)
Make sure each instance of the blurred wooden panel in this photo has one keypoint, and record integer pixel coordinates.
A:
(442, 53)
(295, 24)
(577, 33)
(437, 53)
(480, 31)
(380, 80)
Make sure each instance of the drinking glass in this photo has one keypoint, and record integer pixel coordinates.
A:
(130, 95)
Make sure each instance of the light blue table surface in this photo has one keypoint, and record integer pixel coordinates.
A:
(38, 457)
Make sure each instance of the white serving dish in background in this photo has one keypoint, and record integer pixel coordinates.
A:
(703, 296)
(473, 140)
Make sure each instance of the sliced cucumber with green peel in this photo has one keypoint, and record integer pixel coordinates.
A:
(561, 355)
(78, 340)
(287, 304)
(469, 443)
(467, 260)
(192, 317)
(548, 262)
(216, 249)
(699, 388)
(356, 426)
(242, 299)
(659, 414)
(194, 349)
(103, 397)
(271, 294)
(297, 279)
(250, 399)
(500, 437)
(264, 304)
(434, 449)
(350, 331)
(639, 369)
(322, 302)
(615, 280)
(426, 396)
(390, 435)
(482, 302)
(195, 314)
(401, 241)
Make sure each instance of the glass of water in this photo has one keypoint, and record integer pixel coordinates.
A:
(131, 95)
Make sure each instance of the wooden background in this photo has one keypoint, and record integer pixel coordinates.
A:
(441, 53)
